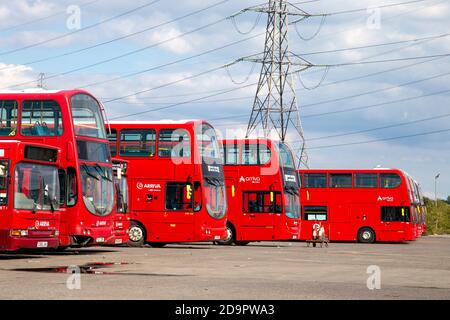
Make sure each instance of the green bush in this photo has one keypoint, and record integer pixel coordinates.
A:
(438, 218)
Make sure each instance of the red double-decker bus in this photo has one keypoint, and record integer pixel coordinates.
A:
(358, 205)
(29, 196)
(121, 217)
(262, 191)
(71, 120)
(175, 173)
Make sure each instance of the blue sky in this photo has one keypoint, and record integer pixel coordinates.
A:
(407, 91)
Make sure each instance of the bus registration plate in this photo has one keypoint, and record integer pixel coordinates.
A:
(42, 244)
(216, 237)
(100, 240)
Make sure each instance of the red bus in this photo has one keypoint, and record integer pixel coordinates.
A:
(71, 120)
(358, 205)
(29, 196)
(262, 191)
(121, 218)
(177, 190)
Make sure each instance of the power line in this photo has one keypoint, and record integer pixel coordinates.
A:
(126, 54)
(171, 63)
(119, 38)
(20, 25)
(314, 115)
(380, 140)
(180, 103)
(36, 44)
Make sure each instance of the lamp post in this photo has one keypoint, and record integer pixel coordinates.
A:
(435, 188)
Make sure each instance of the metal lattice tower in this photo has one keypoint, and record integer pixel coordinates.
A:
(275, 105)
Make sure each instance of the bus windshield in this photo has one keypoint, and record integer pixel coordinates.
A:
(36, 187)
(98, 189)
(215, 198)
(122, 194)
(87, 117)
(292, 204)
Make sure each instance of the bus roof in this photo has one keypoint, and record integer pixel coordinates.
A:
(42, 92)
(353, 170)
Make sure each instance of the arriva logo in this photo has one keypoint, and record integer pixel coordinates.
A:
(250, 179)
(388, 199)
(141, 185)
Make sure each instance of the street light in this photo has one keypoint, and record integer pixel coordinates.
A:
(435, 188)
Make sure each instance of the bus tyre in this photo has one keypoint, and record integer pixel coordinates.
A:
(229, 240)
(136, 235)
(366, 235)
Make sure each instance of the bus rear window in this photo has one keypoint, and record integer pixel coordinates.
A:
(41, 118)
(395, 214)
(138, 142)
(8, 117)
(390, 180)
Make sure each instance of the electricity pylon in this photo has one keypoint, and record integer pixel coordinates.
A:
(275, 106)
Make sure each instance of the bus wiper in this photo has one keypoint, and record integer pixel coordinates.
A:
(291, 190)
(86, 168)
(102, 174)
(214, 181)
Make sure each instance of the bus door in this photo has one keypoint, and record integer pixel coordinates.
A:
(260, 209)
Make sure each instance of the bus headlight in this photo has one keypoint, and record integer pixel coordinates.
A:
(19, 233)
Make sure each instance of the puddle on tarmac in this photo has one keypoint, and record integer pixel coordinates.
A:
(94, 268)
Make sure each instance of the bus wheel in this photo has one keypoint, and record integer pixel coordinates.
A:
(229, 240)
(366, 235)
(136, 235)
(157, 244)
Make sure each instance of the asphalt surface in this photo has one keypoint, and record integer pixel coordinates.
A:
(266, 270)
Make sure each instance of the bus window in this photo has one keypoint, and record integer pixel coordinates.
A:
(112, 137)
(8, 117)
(174, 143)
(262, 202)
(315, 180)
(41, 118)
(255, 154)
(366, 180)
(98, 189)
(315, 213)
(87, 117)
(138, 142)
(36, 187)
(341, 180)
(93, 151)
(72, 189)
(395, 214)
(62, 187)
(179, 196)
(292, 205)
(231, 154)
(390, 180)
(4, 173)
(286, 159)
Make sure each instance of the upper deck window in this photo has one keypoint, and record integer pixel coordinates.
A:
(174, 143)
(208, 144)
(286, 158)
(87, 117)
(341, 180)
(8, 117)
(231, 154)
(41, 118)
(366, 180)
(138, 142)
(255, 154)
(315, 180)
(390, 180)
(112, 138)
